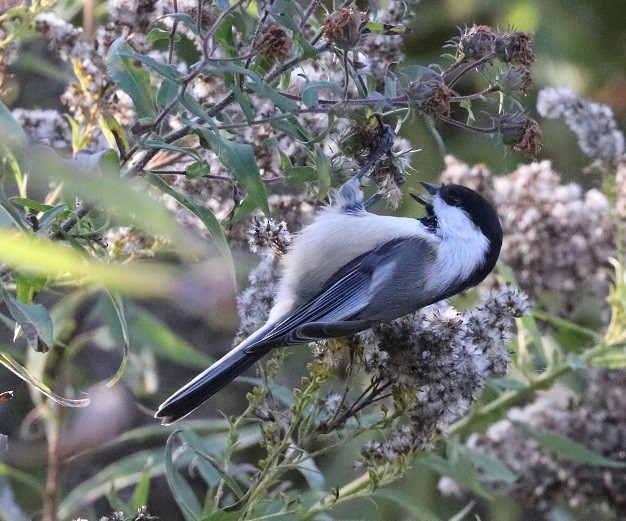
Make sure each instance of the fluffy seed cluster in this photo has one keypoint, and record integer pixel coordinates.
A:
(620, 183)
(438, 359)
(269, 237)
(593, 123)
(597, 421)
(44, 127)
(129, 241)
(255, 302)
(556, 238)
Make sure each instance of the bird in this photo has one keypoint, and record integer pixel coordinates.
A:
(350, 270)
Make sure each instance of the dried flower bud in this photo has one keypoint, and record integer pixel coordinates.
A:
(432, 96)
(516, 79)
(362, 137)
(477, 42)
(521, 132)
(343, 28)
(274, 43)
(516, 47)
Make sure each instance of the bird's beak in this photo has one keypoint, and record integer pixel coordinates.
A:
(432, 190)
(424, 201)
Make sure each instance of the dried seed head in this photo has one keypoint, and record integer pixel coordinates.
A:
(477, 42)
(516, 47)
(516, 79)
(521, 132)
(275, 43)
(360, 138)
(343, 28)
(431, 95)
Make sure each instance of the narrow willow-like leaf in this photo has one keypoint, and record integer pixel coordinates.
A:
(132, 79)
(118, 304)
(12, 134)
(34, 255)
(20, 371)
(125, 472)
(183, 493)
(568, 449)
(34, 320)
(198, 209)
(239, 160)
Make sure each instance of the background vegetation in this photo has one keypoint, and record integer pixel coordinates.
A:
(108, 296)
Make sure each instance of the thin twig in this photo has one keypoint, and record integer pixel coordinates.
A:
(307, 14)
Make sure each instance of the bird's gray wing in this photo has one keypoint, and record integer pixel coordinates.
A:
(341, 307)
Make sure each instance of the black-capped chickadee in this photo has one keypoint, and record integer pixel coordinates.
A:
(351, 270)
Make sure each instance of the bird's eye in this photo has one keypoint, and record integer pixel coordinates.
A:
(453, 200)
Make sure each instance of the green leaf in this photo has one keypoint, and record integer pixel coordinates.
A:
(114, 133)
(127, 201)
(292, 127)
(12, 214)
(12, 134)
(157, 34)
(244, 102)
(118, 304)
(245, 207)
(24, 478)
(33, 319)
(240, 163)
(29, 203)
(221, 515)
(310, 92)
(122, 473)
(50, 216)
(148, 331)
(221, 68)
(296, 175)
(379, 27)
(191, 104)
(323, 167)
(196, 445)
(568, 449)
(183, 18)
(460, 471)
(132, 79)
(183, 493)
(198, 209)
(140, 495)
(460, 515)
(197, 169)
(33, 255)
(162, 145)
(281, 102)
(168, 92)
(408, 503)
(162, 69)
(27, 286)
(20, 371)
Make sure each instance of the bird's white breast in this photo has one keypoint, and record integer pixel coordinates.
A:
(331, 241)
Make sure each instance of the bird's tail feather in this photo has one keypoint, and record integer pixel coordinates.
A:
(207, 383)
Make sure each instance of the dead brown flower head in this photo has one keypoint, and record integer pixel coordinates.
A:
(343, 28)
(521, 132)
(275, 43)
(432, 96)
(515, 47)
(477, 42)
